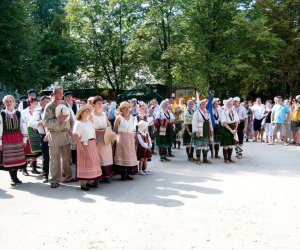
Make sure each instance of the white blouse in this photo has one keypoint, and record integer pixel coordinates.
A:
(198, 121)
(126, 126)
(26, 116)
(99, 121)
(85, 131)
(168, 115)
(225, 117)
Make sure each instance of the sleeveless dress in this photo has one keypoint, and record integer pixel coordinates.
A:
(13, 155)
(125, 159)
(105, 151)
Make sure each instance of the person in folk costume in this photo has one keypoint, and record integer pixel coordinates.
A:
(171, 107)
(188, 129)
(144, 147)
(164, 120)
(125, 160)
(202, 131)
(59, 123)
(151, 127)
(13, 137)
(31, 93)
(217, 129)
(100, 122)
(178, 126)
(141, 115)
(36, 122)
(134, 107)
(88, 167)
(229, 120)
(33, 145)
(242, 127)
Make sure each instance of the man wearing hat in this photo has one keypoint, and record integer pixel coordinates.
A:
(243, 125)
(59, 122)
(68, 97)
(24, 104)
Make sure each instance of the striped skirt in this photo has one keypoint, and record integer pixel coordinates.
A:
(89, 168)
(34, 140)
(13, 155)
(106, 155)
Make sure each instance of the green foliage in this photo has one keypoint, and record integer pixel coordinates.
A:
(230, 47)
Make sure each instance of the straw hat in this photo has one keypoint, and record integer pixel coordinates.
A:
(109, 136)
(62, 109)
(142, 125)
(88, 107)
(124, 105)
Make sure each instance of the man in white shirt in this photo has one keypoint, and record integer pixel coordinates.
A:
(258, 111)
(242, 127)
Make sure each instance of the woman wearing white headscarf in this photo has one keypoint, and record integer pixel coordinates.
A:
(188, 130)
(202, 131)
(163, 122)
(229, 120)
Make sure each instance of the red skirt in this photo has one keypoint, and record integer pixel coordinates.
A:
(143, 153)
(13, 155)
(89, 168)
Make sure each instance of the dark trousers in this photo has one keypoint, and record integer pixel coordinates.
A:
(240, 132)
(46, 157)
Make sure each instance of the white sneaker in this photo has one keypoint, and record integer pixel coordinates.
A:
(141, 172)
(271, 143)
(285, 144)
(146, 172)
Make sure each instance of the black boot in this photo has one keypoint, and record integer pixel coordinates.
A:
(174, 144)
(170, 152)
(229, 155)
(179, 144)
(18, 181)
(187, 149)
(34, 170)
(198, 154)
(217, 147)
(205, 153)
(12, 178)
(24, 170)
(225, 154)
(211, 150)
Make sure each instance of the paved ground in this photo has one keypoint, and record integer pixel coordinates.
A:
(254, 204)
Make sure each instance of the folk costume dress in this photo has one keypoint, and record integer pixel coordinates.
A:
(100, 123)
(227, 139)
(187, 139)
(14, 136)
(202, 126)
(33, 144)
(217, 131)
(144, 142)
(151, 129)
(125, 160)
(164, 135)
(88, 166)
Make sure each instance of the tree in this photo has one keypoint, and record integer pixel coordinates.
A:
(103, 29)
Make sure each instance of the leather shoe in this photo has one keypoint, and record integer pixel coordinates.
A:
(84, 188)
(24, 172)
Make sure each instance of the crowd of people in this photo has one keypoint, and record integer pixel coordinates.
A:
(103, 139)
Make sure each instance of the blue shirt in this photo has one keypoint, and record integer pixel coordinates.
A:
(280, 112)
